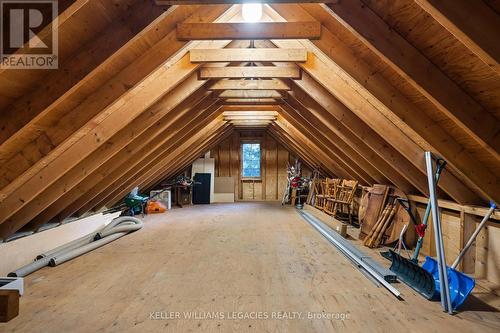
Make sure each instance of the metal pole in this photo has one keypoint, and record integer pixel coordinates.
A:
(443, 274)
(352, 256)
(440, 166)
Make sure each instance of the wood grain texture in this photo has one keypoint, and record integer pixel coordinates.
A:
(263, 30)
(227, 257)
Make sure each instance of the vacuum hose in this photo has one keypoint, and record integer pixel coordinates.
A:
(117, 228)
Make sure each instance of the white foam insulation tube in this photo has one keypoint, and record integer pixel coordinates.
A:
(117, 228)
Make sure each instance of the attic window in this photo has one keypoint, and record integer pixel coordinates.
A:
(250, 160)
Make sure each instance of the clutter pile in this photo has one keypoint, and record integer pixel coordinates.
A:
(386, 219)
(297, 186)
(334, 196)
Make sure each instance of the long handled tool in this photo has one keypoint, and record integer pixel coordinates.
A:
(408, 270)
(460, 285)
(442, 283)
(474, 235)
(420, 228)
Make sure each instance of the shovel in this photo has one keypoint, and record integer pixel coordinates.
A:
(425, 279)
(460, 284)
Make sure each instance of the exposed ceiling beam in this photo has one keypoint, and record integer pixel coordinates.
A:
(251, 101)
(250, 108)
(297, 114)
(142, 148)
(420, 72)
(272, 84)
(89, 96)
(353, 82)
(324, 110)
(473, 23)
(250, 94)
(251, 31)
(328, 148)
(291, 72)
(248, 55)
(248, 117)
(137, 176)
(119, 114)
(250, 113)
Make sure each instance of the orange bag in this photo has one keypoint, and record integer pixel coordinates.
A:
(154, 207)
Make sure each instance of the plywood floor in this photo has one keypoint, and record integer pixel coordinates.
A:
(231, 261)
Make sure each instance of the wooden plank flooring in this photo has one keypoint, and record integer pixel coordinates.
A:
(245, 258)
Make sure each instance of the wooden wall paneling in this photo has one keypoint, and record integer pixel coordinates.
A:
(235, 163)
(263, 166)
(452, 234)
(224, 162)
(267, 188)
(281, 170)
(97, 90)
(374, 89)
(468, 224)
(271, 170)
(135, 153)
(493, 250)
(482, 242)
(427, 78)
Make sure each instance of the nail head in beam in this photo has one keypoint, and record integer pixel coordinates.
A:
(273, 84)
(267, 72)
(248, 31)
(251, 55)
